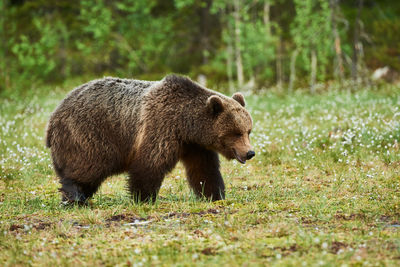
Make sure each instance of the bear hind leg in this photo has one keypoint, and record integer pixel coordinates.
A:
(144, 186)
(150, 165)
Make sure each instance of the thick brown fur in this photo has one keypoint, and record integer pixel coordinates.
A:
(112, 125)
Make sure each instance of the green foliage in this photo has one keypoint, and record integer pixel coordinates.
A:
(257, 43)
(141, 39)
(183, 3)
(258, 48)
(37, 54)
(311, 30)
(96, 26)
(53, 40)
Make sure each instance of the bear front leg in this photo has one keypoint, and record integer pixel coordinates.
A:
(71, 192)
(75, 192)
(202, 170)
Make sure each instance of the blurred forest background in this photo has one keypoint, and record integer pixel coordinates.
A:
(286, 44)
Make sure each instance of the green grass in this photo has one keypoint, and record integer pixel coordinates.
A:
(323, 190)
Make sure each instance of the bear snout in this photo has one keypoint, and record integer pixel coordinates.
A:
(241, 157)
(250, 154)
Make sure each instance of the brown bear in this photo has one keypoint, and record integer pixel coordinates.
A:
(111, 125)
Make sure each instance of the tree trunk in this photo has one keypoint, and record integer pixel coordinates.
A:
(339, 72)
(229, 51)
(267, 23)
(356, 42)
(229, 66)
(313, 71)
(279, 63)
(292, 79)
(238, 55)
(204, 30)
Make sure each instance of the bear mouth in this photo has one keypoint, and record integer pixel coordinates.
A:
(238, 158)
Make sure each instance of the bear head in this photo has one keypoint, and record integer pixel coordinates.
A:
(231, 127)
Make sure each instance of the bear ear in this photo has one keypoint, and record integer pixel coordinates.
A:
(214, 104)
(239, 98)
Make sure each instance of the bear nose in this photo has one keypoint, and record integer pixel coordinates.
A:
(250, 154)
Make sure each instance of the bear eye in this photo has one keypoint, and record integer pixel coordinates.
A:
(237, 134)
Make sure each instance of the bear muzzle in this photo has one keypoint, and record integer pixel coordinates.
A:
(242, 159)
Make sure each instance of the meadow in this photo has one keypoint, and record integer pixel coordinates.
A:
(323, 190)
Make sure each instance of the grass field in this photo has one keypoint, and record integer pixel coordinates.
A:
(323, 190)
